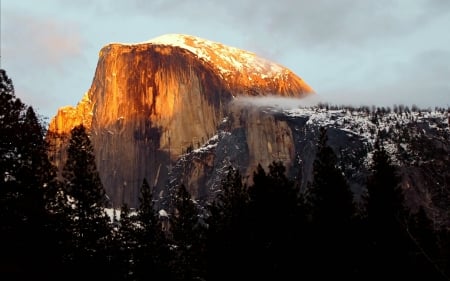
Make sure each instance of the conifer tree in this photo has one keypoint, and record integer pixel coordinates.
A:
(11, 193)
(229, 206)
(275, 219)
(35, 174)
(122, 246)
(26, 231)
(227, 235)
(86, 201)
(329, 194)
(36, 177)
(426, 258)
(386, 217)
(332, 209)
(11, 116)
(186, 236)
(152, 255)
(384, 198)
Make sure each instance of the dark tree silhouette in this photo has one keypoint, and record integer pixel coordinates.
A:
(36, 177)
(426, 257)
(86, 201)
(27, 236)
(227, 232)
(152, 256)
(274, 221)
(386, 215)
(122, 245)
(332, 209)
(385, 198)
(329, 194)
(186, 237)
(11, 116)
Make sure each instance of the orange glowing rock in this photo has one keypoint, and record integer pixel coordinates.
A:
(149, 101)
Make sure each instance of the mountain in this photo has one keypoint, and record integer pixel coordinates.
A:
(179, 109)
(151, 102)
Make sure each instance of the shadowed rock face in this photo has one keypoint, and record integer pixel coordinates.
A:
(149, 103)
(267, 137)
(249, 136)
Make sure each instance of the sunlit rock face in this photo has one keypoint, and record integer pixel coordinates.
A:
(60, 126)
(151, 102)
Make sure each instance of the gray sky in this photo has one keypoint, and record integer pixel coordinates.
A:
(361, 52)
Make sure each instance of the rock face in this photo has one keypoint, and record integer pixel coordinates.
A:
(60, 126)
(417, 142)
(151, 102)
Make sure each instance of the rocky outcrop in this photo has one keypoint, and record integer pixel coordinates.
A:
(60, 126)
(267, 137)
(151, 102)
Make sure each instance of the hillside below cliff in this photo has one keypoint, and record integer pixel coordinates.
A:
(418, 143)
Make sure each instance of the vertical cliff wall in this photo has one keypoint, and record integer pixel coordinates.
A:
(248, 136)
(149, 103)
(268, 139)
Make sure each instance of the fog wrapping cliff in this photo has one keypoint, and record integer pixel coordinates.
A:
(151, 102)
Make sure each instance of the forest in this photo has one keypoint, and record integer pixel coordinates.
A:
(57, 227)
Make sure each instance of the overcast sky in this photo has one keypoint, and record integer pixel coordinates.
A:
(361, 52)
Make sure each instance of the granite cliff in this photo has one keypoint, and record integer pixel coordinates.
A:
(418, 143)
(151, 102)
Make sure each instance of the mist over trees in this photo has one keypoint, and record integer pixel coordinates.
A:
(58, 228)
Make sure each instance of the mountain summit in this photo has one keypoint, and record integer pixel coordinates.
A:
(232, 62)
(150, 102)
(242, 70)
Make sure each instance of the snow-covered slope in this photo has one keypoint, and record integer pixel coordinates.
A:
(227, 59)
(367, 125)
(234, 65)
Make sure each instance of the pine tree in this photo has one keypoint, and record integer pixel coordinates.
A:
(275, 219)
(229, 207)
(329, 194)
(122, 246)
(425, 254)
(186, 236)
(86, 202)
(386, 217)
(227, 235)
(332, 209)
(152, 254)
(11, 117)
(384, 198)
(398, 245)
(27, 231)
(35, 174)
(11, 193)
(37, 178)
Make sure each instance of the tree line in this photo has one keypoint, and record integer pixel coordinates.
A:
(58, 229)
